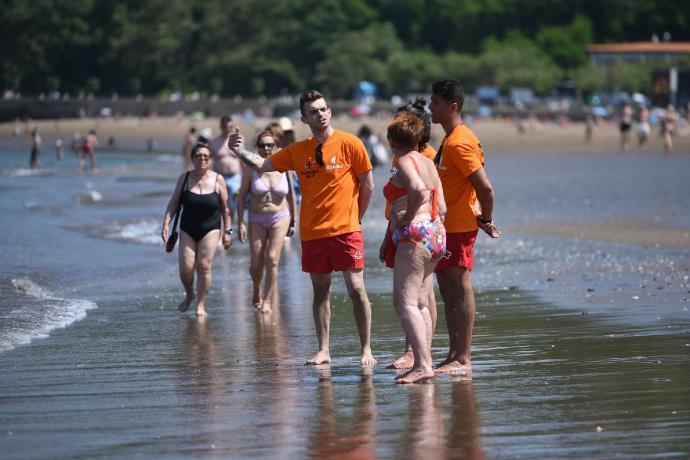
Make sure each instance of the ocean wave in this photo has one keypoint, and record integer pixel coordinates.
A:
(24, 172)
(35, 312)
(146, 231)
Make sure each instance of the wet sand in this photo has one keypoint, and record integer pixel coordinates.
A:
(581, 347)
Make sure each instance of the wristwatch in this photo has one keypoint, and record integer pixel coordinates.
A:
(228, 231)
(485, 221)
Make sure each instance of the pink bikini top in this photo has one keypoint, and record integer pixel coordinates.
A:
(259, 187)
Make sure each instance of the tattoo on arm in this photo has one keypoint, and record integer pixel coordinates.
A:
(250, 158)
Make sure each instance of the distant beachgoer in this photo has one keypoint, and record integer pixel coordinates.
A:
(111, 142)
(77, 143)
(589, 129)
(643, 129)
(187, 145)
(669, 126)
(289, 138)
(272, 211)
(625, 125)
(417, 208)
(88, 150)
(388, 247)
(378, 154)
(203, 195)
(226, 162)
(337, 184)
(36, 142)
(59, 149)
(460, 164)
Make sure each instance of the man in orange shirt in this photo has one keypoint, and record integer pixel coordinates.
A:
(460, 164)
(336, 180)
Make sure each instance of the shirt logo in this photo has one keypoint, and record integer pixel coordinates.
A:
(357, 255)
(311, 168)
(333, 164)
(447, 255)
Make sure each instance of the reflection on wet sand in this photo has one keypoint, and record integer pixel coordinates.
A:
(464, 427)
(334, 433)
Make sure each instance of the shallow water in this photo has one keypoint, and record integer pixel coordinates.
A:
(573, 357)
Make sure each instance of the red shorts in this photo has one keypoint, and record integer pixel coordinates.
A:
(333, 254)
(459, 251)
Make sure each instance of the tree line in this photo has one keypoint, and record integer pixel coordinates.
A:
(273, 47)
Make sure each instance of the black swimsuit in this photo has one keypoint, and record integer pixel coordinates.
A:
(201, 213)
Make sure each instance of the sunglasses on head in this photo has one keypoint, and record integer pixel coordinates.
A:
(319, 154)
(270, 145)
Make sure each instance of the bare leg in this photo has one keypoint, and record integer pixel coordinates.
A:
(410, 297)
(274, 247)
(321, 284)
(406, 361)
(354, 280)
(449, 308)
(186, 259)
(204, 258)
(461, 294)
(257, 244)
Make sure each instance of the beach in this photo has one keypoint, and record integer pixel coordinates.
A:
(582, 337)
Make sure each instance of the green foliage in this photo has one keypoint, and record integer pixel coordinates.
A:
(567, 45)
(254, 47)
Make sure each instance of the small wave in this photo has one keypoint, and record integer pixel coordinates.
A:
(25, 172)
(142, 231)
(37, 312)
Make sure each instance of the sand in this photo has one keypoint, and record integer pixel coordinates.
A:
(498, 137)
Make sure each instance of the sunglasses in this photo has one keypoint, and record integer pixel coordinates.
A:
(203, 156)
(319, 154)
(270, 145)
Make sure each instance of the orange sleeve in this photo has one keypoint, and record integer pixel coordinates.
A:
(466, 158)
(360, 158)
(282, 161)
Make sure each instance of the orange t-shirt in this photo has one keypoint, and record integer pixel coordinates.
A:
(461, 156)
(428, 151)
(329, 192)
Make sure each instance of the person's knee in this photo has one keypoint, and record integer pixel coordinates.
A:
(272, 261)
(203, 267)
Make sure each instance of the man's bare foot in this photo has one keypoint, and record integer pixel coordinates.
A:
(184, 306)
(415, 375)
(266, 309)
(406, 361)
(322, 357)
(455, 368)
(200, 310)
(367, 359)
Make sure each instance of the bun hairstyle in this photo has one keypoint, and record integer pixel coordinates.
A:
(418, 109)
(405, 131)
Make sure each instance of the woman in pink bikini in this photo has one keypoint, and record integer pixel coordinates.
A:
(271, 216)
(417, 208)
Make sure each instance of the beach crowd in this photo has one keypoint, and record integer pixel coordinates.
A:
(437, 201)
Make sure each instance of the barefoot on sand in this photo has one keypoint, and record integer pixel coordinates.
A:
(406, 361)
(200, 310)
(367, 359)
(415, 375)
(322, 357)
(454, 367)
(184, 306)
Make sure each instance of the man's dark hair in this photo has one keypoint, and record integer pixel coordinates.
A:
(449, 91)
(225, 119)
(309, 96)
(417, 108)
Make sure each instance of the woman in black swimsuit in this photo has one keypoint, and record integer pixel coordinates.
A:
(204, 198)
